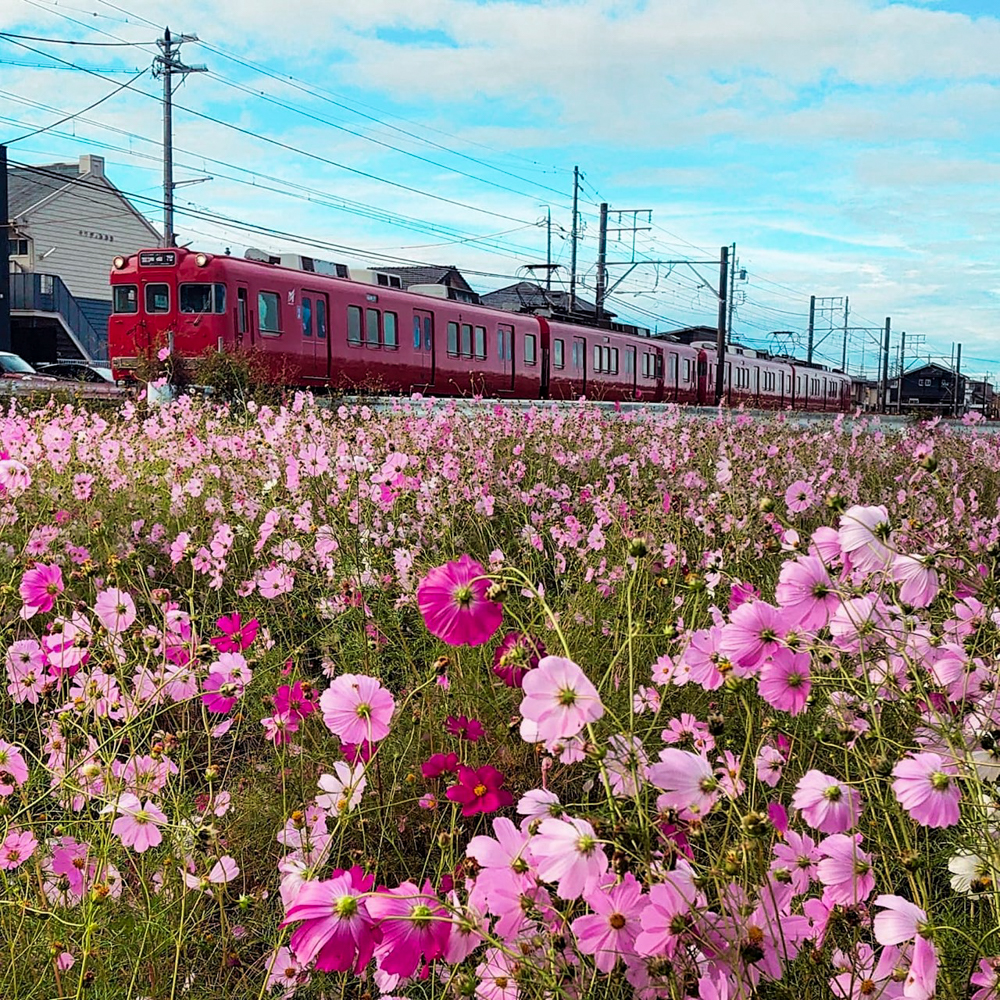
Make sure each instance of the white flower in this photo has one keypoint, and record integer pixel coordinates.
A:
(344, 788)
(968, 869)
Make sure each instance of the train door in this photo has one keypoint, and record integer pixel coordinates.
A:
(630, 371)
(242, 317)
(658, 375)
(673, 367)
(505, 354)
(423, 344)
(580, 364)
(307, 336)
(703, 379)
(322, 347)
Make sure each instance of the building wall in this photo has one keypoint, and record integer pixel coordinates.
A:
(84, 227)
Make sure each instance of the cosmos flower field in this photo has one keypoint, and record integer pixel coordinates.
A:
(427, 702)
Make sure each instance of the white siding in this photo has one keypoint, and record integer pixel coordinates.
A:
(85, 226)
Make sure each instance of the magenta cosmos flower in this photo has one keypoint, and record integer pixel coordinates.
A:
(138, 825)
(236, 636)
(357, 708)
(17, 847)
(479, 791)
(39, 588)
(926, 787)
(413, 924)
(13, 769)
(609, 933)
(452, 599)
(825, 803)
(784, 681)
(559, 700)
(515, 656)
(336, 930)
(806, 593)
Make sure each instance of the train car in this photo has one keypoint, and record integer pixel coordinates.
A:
(352, 330)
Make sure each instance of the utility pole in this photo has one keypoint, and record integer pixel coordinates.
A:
(720, 343)
(602, 255)
(548, 249)
(732, 290)
(572, 240)
(843, 355)
(169, 65)
(959, 395)
(812, 324)
(902, 372)
(884, 407)
(5, 243)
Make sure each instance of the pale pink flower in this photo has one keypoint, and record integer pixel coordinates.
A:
(138, 824)
(826, 803)
(357, 708)
(688, 783)
(799, 497)
(342, 789)
(917, 578)
(567, 851)
(899, 921)
(17, 847)
(863, 534)
(926, 787)
(845, 870)
(115, 609)
(559, 699)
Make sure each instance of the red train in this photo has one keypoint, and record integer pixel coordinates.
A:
(320, 330)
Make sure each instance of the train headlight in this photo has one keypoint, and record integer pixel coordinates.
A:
(119, 262)
(201, 260)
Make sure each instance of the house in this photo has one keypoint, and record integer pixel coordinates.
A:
(68, 222)
(983, 398)
(528, 296)
(425, 278)
(930, 387)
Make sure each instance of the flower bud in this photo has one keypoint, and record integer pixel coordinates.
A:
(637, 548)
(929, 463)
(211, 773)
(766, 505)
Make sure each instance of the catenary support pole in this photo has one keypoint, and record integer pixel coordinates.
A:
(602, 255)
(812, 324)
(884, 402)
(720, 342)
(5, 232)
(572, 241)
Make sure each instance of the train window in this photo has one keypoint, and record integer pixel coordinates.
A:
(558, 357)
(687, 369)
(269, 312)
(202, 298)
(157, 298)
(466, 340)
(372, 333)
(576, 354)
(389, 326)
(480, 342)
(597, 358)
(428, 330)
(672, 368)
(125, 299)
(321, 318)
(529, 348)
(354, 324)
(614, 360)
(629, 360)
(453, 339)
(658, 365)
(500, 351)
(307, 316)
(416, 333)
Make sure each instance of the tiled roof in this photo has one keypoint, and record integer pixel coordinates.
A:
(26, 186)
(431, 275)
(529, 295)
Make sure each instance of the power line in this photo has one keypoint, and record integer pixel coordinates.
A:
(66, 41)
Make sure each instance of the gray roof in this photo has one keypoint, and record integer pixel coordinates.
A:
(26, 186)
(447, 274)
(530, 295)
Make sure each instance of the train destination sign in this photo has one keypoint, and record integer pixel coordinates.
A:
(161, 258)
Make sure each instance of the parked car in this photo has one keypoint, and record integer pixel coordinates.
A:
(16, 369)
(77, 371)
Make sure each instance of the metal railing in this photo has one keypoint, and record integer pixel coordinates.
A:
(47, 293)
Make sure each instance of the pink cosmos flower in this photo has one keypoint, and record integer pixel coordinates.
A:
(452, 599)
(703, 659)
(438, 764)
(13, 769)
(987, 979)
(539, 803)
(918, 580)
(413, 924)
(770, 763)
(688, 782)
(926, 787)
(797, 856)
(515, 656)
(668, 914)
(609, 933)
(39, 588)
(464, 728)
(845, 870)
(137, 825)
(799, 497)
(921, 979)
(863, 534)
(220, 692)
(783, 681)
(508, 850)
(236, 636)
(296, 700)
(805, 592)
(825, 803)
(337, 929)
(497, 975)
(479, 791)
(899, 921)
(357, 708)
(568, 852)
(17, 847)
(753, 633)
(280, 727)
(559, 700)
(115, 609)
(343, 789)
(285, 970)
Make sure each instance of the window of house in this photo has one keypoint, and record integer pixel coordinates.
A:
(529, 348)
(390, 324)
(269, 312)
(479, 342)
(307, 316)
(453, 339)
(157, 298)
(373, 333)
(321, 319)
(17, 248)
(354, 324)
(558, 358)
(202, 297)
(125, 299)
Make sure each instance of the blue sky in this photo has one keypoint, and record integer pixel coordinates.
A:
(848, 147)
